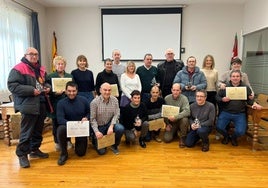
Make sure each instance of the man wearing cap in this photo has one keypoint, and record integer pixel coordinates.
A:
(236, 64)
(167, 71)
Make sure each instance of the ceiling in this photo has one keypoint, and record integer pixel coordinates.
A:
(94, 3)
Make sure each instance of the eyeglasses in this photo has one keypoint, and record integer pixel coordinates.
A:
(32, 54)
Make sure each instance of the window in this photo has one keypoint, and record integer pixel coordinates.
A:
(15, 27)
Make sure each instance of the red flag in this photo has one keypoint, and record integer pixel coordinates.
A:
(54, 50)
(235, 48)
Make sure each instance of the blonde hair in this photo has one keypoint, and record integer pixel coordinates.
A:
(213, 62)
(57, 59)
(130, 63)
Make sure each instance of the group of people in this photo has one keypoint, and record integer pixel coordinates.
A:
(141, 94)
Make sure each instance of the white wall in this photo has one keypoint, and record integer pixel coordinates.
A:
(255, 16)
(206, 30)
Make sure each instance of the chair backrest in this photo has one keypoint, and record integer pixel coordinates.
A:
(262, 99)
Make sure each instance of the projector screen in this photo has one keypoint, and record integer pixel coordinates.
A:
(138, 31)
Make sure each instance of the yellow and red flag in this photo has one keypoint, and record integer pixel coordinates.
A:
(54, 50)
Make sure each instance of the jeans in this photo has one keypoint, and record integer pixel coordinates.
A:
(194, 135)
(238, 119)
(118, 130)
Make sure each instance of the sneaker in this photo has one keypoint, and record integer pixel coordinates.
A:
(24, 162)
(115, 150)
(157, 139)
(57, 147)
(38, 154)
(69, 145)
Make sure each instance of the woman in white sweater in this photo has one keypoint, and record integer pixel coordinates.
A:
(129, 81)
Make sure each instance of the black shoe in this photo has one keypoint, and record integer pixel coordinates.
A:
(38, 154)
(225, 140)
(142, 143)
(24, 162)
(62, 160)
(205, 147)
(127, 142)
(234, 141)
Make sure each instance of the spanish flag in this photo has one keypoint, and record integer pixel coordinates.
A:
(235, 48)
(54, 50)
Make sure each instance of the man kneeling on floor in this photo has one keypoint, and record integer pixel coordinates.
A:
(201, 120)
(71, 108)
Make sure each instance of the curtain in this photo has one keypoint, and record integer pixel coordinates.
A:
(14, 38)
(36, 34)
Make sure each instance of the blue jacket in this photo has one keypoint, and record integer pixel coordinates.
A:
(198, 79)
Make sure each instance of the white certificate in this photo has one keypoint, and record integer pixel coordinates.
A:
(169, 110)
(114, 89)
(236, 93)
(106, 140)
(59, 84)
(156, 124)
(77, 128)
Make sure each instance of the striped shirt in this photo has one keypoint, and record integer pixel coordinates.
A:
(101, 112)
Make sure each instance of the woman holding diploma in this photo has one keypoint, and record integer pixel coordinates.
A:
(60, 64)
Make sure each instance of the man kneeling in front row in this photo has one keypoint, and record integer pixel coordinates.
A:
(71, 108)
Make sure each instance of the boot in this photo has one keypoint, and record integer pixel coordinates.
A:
(142, 143)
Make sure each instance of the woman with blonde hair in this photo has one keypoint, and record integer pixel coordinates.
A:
(130, 81)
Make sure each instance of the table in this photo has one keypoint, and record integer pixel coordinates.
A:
(256, 118)
(7, 110)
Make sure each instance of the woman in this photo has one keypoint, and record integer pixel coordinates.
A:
(154, 106)
(60, 64)
(130, 81)
(107, 75)
(84, 78)
(211, 75)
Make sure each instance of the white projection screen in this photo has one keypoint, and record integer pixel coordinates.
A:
(137, 31)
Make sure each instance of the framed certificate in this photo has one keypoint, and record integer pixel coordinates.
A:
(59, 84)
(106, 140)
(236, 93)
(77, 128)
(169, 110)
(156, 124)
(114, 91)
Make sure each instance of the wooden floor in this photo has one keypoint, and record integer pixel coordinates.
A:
(159, 165)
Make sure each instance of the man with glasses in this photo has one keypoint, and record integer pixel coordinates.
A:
(167, 71)
(201, 121)
(27, 82)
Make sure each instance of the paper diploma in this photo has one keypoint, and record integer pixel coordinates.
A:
(114, 90)
(59, 84)
(156, 124)
(106, 140)
(169, 110)
(77, 128)
(236, 93)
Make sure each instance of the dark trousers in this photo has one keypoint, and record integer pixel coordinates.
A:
(118, 130)
(80, 146)
(54, 130)
(195, 135)
(31, 131)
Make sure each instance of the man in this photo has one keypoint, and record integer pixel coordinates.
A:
(148, 76)
(104, 115)
(167, 71)
(191, 79)
(201, 121)
(28, 84)
(134, 118)
(233, 110)
(178, 123)
(72, 108)
(117, 68)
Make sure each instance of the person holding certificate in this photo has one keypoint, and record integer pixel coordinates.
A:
(177, 123)
(154, 106)
(71, 108)
(233, 110)
(201, 121)
(104, 115)
(134, 118)
(60, 64)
